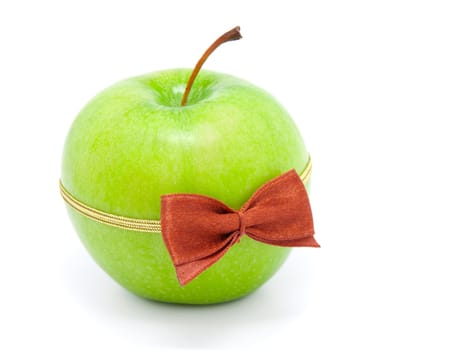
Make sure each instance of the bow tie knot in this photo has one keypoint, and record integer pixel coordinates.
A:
(242, 224)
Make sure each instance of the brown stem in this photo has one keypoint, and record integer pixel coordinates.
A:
(233, 34)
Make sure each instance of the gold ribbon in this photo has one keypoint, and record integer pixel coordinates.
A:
(132, 224)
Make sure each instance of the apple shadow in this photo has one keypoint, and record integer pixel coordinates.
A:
(253, 317)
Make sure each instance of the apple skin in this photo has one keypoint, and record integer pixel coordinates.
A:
(133, 143)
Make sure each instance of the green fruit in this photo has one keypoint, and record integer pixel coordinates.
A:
(134, 142)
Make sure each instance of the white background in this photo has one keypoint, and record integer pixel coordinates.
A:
(379, 91)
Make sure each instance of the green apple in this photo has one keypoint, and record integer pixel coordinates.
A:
(134, 142)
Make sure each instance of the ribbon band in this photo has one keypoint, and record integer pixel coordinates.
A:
(133, 224)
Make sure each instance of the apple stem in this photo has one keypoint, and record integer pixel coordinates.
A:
(233, 34)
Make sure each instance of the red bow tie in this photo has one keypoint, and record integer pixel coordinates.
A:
(199, 230)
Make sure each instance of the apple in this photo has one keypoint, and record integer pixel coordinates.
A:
(135, 141)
